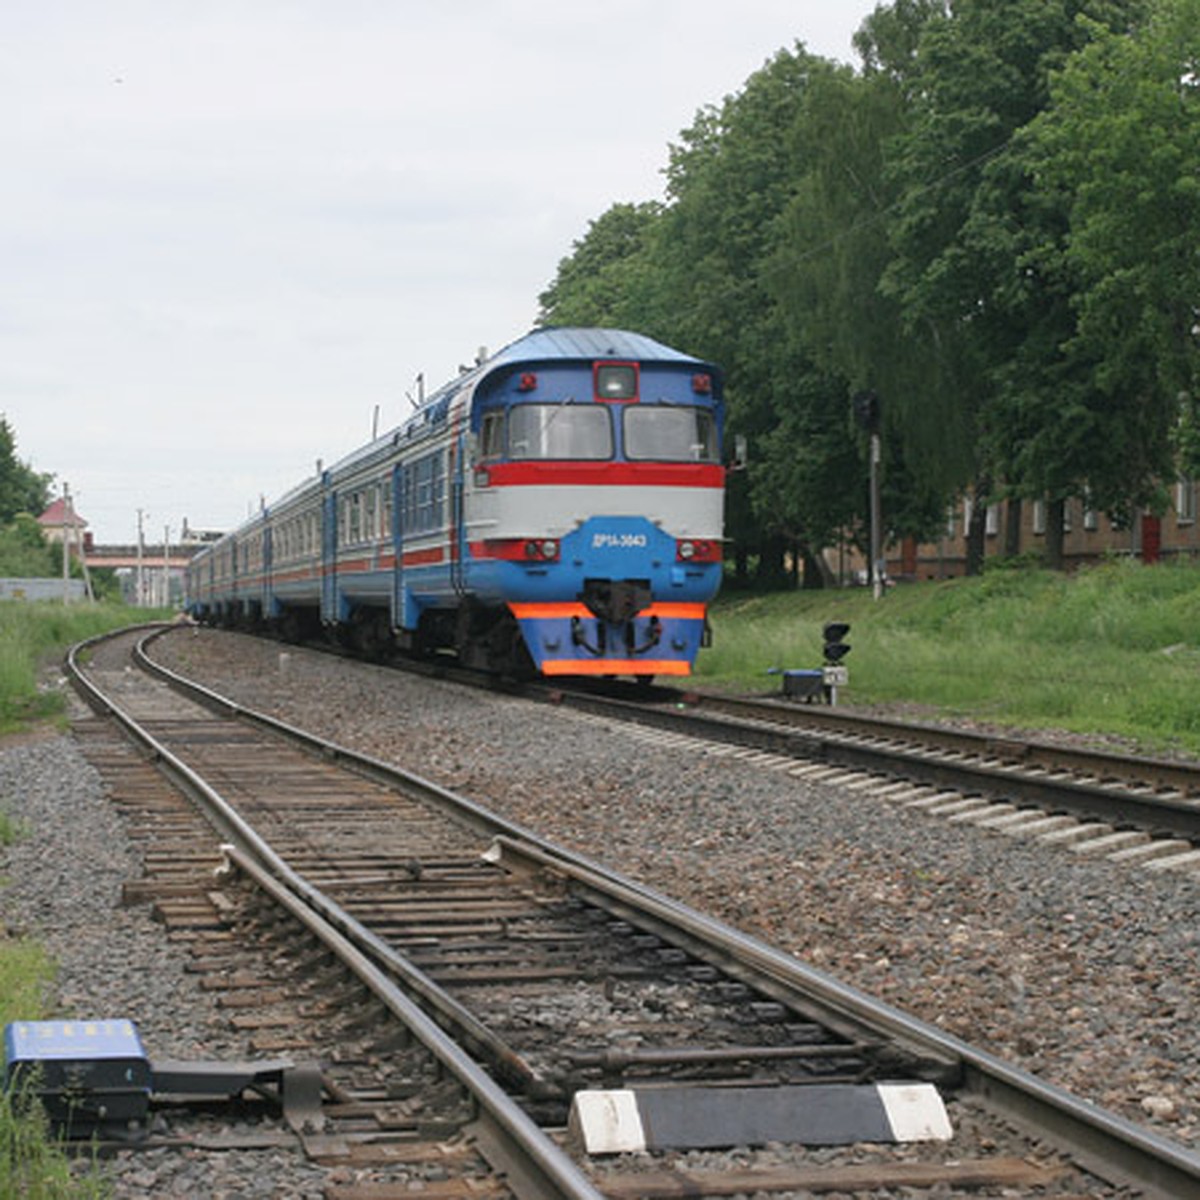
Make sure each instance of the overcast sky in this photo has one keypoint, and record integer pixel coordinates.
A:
(230, 231)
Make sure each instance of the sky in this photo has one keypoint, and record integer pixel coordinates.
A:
(233, 234)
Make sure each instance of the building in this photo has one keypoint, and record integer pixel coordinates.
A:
(61, 523)
(1088, 536)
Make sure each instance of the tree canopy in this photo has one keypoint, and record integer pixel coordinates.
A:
(990, 224)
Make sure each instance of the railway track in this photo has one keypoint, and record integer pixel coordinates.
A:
(566, 979)
(1135, 808)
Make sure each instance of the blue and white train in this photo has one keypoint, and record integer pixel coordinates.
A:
(557, 509)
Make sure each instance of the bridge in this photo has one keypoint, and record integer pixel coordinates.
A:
(151, 558)
(152, 577)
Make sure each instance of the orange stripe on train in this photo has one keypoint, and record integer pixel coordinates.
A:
(615, 666)
(551, 610)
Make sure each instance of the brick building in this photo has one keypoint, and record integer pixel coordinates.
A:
(1088, 536)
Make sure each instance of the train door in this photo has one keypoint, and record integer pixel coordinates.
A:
(329, 554)
(268, 588)
(396, 534)
(457, 569)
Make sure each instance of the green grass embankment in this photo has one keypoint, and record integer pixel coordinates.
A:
(1112, 650)
(33, 635)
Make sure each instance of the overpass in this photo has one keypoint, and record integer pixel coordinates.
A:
(151, 578)
(152, 558)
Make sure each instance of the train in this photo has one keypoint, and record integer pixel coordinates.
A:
(556, 510)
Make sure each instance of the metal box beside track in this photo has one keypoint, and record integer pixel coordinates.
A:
(87, 1074)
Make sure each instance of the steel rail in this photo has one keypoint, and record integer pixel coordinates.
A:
(533, 1164)
(1112, 1147)
(1161, 773)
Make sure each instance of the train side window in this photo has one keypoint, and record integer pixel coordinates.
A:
(371, 513)
(491, 440)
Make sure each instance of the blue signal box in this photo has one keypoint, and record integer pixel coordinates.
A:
(88, 1074)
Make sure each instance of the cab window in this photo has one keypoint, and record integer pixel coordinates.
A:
(571, 431)
(669, 433)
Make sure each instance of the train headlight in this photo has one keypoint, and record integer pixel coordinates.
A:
(543, 551)
(698, 550)
(616, 381)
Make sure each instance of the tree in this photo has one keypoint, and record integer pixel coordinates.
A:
(1118, 150)
(833, 250)
(729, 181)
(22, 489)
(594, 284)
(961, 229)
(24, 551)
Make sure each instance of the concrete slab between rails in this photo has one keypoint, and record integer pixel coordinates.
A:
(1151, 850)
(693, 1118)
(1189, 861)
(1070, 835)
(928, 802)
(964, 804)
(1038, 825)
(985, 813)
(1111, 843)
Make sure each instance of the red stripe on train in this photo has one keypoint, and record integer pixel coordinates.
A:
(600, 474)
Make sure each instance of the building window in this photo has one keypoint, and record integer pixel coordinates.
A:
(1185, 501)
(992, 520)
(1039, 516)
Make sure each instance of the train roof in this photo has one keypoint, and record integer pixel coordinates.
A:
(567, 344)
(545, 345)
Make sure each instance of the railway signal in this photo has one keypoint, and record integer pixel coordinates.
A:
(834, 674)
(835, 648)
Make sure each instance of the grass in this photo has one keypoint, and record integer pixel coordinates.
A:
(1110, 650)
(31, 635)
(32, 1163)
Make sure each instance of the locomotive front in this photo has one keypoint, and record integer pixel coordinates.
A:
(594, 503)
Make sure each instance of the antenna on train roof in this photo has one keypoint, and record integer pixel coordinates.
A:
(420, 381)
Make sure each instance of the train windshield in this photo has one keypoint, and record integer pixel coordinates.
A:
(667, 433)
(576, 431)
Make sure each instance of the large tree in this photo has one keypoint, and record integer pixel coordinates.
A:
(1118, 152)
(963, 222)
(729, 181)
(832, 248)
(22, 489)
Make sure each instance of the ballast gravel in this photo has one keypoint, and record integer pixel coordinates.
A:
(1084, 972)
